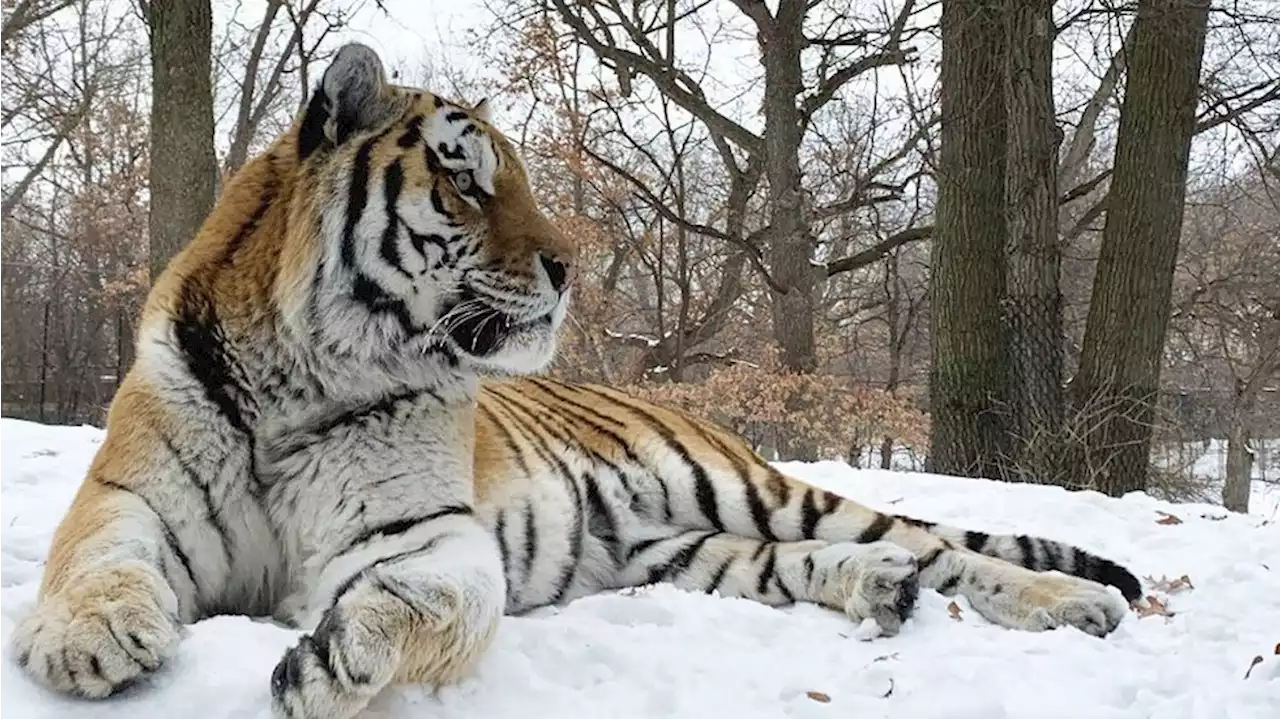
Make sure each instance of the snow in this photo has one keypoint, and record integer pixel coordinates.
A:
(659, 652)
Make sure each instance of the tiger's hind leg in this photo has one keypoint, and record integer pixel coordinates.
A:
(107, 613)
(411, 605)
(865, 581)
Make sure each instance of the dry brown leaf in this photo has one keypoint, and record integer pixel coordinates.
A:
(1166, 518)
(1256, 661)
(1170, 586)
(1278, 649)
(1153, 607)
(819, 697)
(953, 610)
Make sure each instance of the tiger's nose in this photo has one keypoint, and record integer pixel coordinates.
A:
(557, 271)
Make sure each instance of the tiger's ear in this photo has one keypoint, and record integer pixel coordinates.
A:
(483, 110)
(352, 96)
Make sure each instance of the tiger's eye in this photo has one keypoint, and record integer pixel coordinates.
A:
(464, 181)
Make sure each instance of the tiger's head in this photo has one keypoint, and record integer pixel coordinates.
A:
(419, 228)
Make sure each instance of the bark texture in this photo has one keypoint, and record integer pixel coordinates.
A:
(1115, 390)
(184, 168)
(1032, 306)
(967, 372)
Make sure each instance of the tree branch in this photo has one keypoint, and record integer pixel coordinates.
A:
(879, 250)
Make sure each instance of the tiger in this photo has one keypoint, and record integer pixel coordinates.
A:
(339, 419)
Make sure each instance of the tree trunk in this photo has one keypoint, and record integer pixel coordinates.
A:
(1116, 388)
(1239, 480)
(184, 169)
(967, 257)
(1033, 303)
(791, 244)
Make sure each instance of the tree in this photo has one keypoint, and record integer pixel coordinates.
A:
(624, 40)
(184, 167)
(1118, 379)
(1032, 306)
(967, 373)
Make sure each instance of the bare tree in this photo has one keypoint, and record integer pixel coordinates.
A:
(1129, 311)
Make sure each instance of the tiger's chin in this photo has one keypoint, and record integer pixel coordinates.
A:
(499, 344)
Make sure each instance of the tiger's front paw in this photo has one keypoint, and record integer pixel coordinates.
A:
(101, 633)
(333, 672)
(877, 581)
(1060, 600)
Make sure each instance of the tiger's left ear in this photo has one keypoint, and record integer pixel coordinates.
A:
(482, 110)
(353, 96)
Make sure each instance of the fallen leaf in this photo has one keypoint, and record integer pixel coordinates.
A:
(1166, 518)
(886, 694)
(1170, 586)
(1213, 517)
(820, 697)
(953, 609)
(887, 657)
(1278, 650)
(1256, 661)
(1153, 607)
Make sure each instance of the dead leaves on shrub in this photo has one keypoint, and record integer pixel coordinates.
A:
(1155, 606)
(1166, 518)
(953, 611)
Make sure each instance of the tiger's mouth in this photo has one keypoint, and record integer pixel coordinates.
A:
(481, 331)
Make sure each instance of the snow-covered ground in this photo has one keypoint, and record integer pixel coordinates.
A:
(658, 652)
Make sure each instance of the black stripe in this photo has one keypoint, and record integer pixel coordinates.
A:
(613, 436)
(357, 198)
(432, 160)
(1028, 552)
(204, 345)
(926, 561)
(680, 561)
(454, 153)
(389, 248)
(530, 541)
(808, 568)
(321, 429)
(809, 516)
(718, 577)
(703, 489)
(1108, 572)
(359, 574)
(311, 131)
(642, 545)
(766, 572)
(507, 439)
(922, 524)
(500, 533)
(211, 511)
(600, 521)
(577, 541)
(879, 527)
(412, 133)
(390, 529)
(170, 539)
(949, 584)
(975, 541)
(455, 116)
(1051, 558)
(377, 301)
(760, 514)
